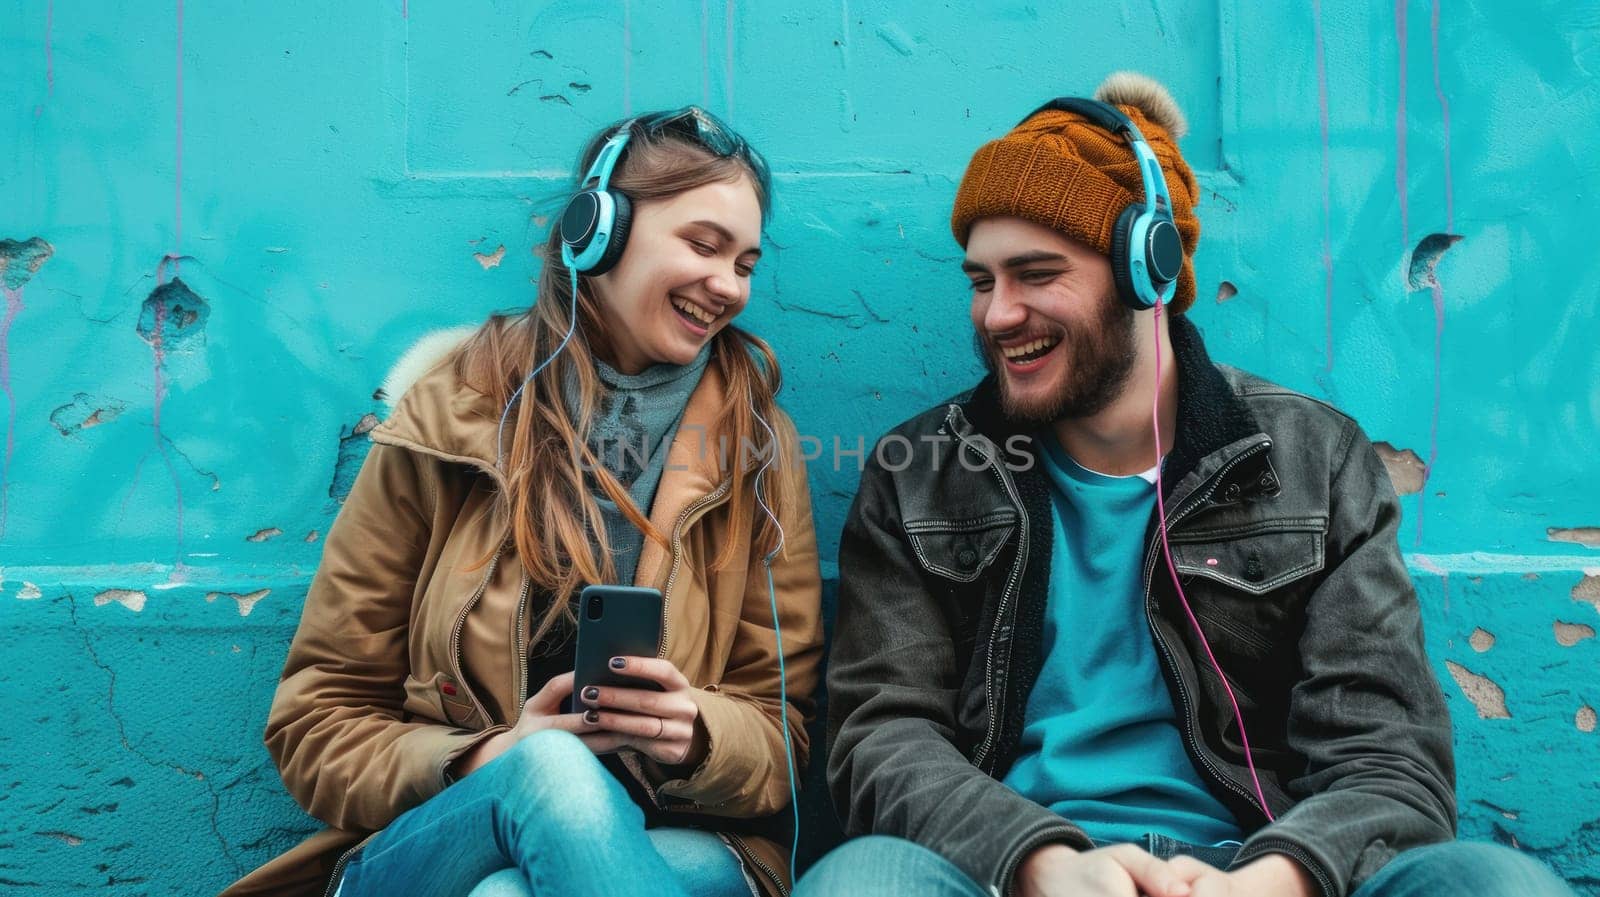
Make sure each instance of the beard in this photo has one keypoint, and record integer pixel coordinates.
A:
(1099, 360)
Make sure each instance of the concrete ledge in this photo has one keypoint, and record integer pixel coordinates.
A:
(135, 704)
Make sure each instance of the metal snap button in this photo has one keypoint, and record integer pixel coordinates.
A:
(966, 557)
(1232, 492)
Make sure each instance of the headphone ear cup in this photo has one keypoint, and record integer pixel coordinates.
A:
(1121, 269)
(622, 222)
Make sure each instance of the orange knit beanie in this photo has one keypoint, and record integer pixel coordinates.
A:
(1060, 171)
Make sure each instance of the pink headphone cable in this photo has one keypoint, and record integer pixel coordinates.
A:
(1166, 548)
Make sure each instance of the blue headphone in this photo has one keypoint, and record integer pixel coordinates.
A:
(594, 226)
(1146, 250)
(593, 229)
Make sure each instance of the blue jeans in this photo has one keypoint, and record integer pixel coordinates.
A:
(879, 865)
(1464, 867)
(544, 818)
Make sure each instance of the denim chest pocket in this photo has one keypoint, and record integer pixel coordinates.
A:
(1254, 559)
(961, 549)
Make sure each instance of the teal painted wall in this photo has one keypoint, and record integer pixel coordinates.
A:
(335, 180)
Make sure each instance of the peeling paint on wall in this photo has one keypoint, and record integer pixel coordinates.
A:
(1423, 270)
(1405, 467)
(1569, 634)
(490, 259)
(27, 591)
(1481, 640)
(85, 412)
(1582, 535)
(19, 261)
(1487, 697)
(130, 598)
(247, 600)
(1588, 589)
(173, 317)
(262, 535)
(353, 446)
(1585, 719)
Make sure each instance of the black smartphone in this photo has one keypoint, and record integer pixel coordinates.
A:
(614, 621)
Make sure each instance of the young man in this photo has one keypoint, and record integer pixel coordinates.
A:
(1022, 699)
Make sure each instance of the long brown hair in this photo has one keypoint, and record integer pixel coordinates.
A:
(555, 522)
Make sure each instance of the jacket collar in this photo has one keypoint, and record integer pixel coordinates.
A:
(442, 416)
(1210, 416)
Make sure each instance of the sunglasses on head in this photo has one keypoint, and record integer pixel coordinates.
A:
(705, 129)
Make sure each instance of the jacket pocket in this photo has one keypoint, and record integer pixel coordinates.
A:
(962, 549)
(443, 699)
(1255, 559)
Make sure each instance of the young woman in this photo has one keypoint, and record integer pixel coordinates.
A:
(420, 713)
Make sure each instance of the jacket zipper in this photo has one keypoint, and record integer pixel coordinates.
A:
(748, 855)
(1166, 654)
(338, 868)
(997, 708)
(455, 633)
(338, 873)
(677, 554)
(697, 508)
(661, 647)
(522, 648)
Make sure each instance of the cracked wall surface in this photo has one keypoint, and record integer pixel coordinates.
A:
(206, 280)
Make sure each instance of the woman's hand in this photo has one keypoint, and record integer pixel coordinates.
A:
(542, 711)
(663, 725)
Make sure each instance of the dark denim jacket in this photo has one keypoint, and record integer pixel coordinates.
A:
(1283, 525)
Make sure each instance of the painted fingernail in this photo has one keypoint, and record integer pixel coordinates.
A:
(618, 663)
(592, 717)
(591, 694)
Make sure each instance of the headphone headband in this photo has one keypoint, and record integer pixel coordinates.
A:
(1147, 253)
(1109, 118)
(594, 225)
(598, 177)
(1103, 115)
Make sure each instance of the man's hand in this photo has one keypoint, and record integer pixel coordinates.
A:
(1268, 876)
(1123, 870)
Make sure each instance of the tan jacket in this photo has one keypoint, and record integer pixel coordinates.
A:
(405, 659)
